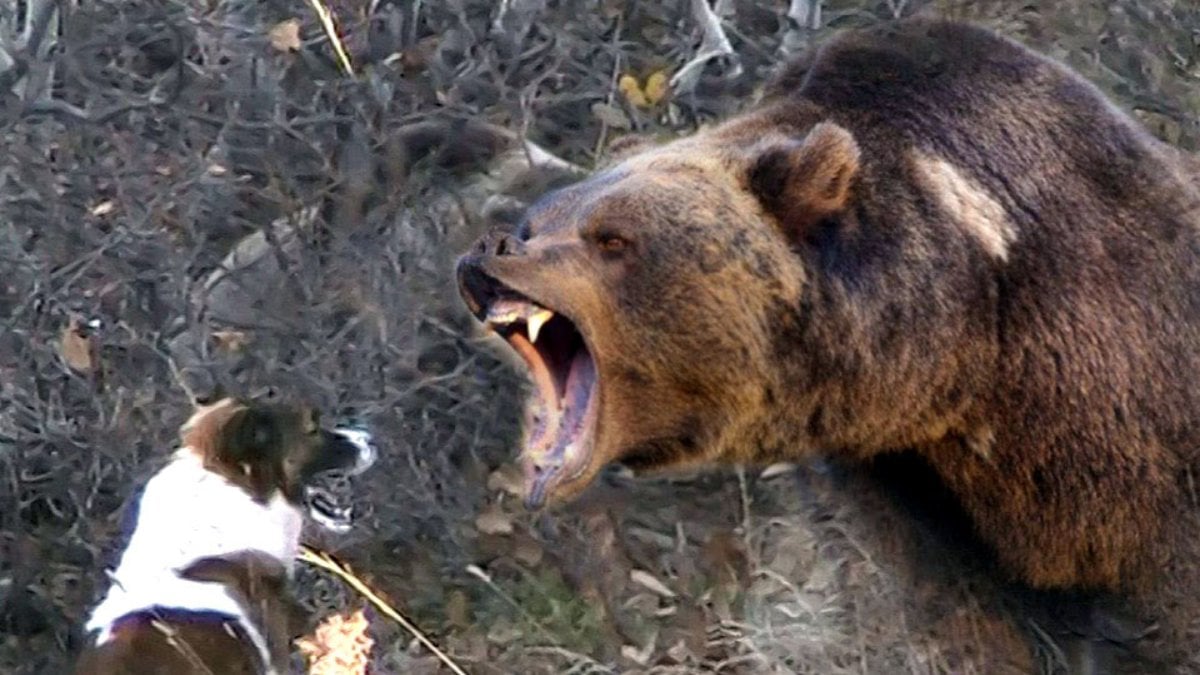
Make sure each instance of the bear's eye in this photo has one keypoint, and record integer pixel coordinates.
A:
(611, 243)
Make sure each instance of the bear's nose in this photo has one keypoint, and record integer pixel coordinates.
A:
(499, 244)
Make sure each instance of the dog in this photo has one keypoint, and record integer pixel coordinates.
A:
(202, 586)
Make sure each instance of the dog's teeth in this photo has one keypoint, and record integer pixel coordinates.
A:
(536, 321)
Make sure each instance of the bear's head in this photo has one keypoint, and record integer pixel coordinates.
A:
(646, 300)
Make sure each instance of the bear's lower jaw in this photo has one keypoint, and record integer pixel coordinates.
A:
(560, 433)
(560, 416)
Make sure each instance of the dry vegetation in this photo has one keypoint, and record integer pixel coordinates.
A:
(143, 139)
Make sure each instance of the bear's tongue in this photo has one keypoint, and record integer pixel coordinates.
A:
(564, 378)
(560, 449)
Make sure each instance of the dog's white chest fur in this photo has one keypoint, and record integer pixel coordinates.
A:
(187, 513)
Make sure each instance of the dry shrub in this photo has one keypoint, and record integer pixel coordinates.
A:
(153, 136)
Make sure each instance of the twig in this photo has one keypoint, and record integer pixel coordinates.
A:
(326, 18)
(806, 14)
(612, 84)
(326, 562)
(713, 44)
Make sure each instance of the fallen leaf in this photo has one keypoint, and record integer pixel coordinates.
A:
(285, 35)
(230, 341)
(631, 89)
(339, 646)
(658, 86)
(610, 115)
(528, 551)
(640, 656)
(507, 478)
(777, 469)
(494, 521)
(655, 90)
(458, 610)
(76, 347)
(611, 9)
(650, 582)
(679, 652)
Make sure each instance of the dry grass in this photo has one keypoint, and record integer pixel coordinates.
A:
(352, 653)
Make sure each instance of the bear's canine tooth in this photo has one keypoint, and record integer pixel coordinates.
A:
(536, 320)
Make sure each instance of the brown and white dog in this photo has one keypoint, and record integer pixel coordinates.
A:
(202, 585)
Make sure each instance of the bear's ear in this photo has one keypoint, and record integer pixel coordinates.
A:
(804, 181)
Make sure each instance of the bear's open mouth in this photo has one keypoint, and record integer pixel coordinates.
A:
(560, 415)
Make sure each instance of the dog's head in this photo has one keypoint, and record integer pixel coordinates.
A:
(272, 447)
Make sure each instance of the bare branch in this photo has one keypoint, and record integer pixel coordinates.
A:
(805, 14)
(714, 44)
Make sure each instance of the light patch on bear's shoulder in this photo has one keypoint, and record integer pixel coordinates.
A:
(976, 211)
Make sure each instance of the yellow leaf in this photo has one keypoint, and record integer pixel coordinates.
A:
(629, 87)
(285, 35)
(657, 87)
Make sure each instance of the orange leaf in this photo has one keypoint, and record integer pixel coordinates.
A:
(340, 645)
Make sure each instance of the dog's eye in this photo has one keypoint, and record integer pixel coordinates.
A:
(312, 421)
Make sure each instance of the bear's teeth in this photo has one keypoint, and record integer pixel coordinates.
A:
(505, 312)
(536, 320)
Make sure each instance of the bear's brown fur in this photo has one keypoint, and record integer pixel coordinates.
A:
(926, 238)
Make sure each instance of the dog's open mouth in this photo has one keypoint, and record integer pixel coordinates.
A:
(561, 413)
(329, 495)
(329, 500)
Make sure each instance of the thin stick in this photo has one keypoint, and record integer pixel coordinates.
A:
(326, 19)
(326, 562)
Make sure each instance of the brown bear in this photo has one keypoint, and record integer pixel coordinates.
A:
(925, 239)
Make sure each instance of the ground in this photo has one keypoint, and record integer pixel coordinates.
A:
(151, 137)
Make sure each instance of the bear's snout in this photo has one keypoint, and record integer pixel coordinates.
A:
(477, 288)
(498, 244)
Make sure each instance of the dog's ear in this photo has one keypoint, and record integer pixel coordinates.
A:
(217, 569)
(249, 573)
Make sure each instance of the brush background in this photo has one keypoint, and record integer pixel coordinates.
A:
(201, 132)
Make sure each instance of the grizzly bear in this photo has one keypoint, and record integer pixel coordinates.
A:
(926, 239)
